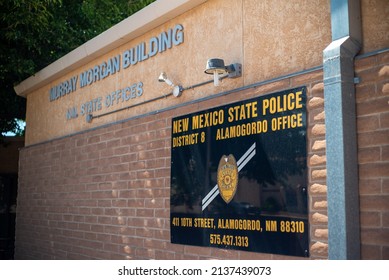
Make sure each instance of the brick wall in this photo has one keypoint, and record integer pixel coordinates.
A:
(104, 194)
(373, 154)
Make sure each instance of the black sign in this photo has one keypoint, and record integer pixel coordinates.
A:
(239, 176)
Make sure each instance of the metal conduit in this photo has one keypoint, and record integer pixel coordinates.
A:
(341, 136)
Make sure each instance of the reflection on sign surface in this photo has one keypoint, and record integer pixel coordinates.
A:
(239, 176)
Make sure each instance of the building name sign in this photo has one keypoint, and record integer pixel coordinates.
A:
(143, 51)
(109, 100)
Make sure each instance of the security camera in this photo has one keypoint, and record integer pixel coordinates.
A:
(177, 90)
(163, 78)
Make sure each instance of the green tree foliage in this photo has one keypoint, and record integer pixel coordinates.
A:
(35, 33)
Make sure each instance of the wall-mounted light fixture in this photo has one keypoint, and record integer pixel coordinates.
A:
(216, 67)
(177, 90)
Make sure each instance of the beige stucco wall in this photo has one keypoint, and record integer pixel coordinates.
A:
(269, 38)
(375, 25)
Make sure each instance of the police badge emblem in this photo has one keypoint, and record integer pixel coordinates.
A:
(227, 177)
